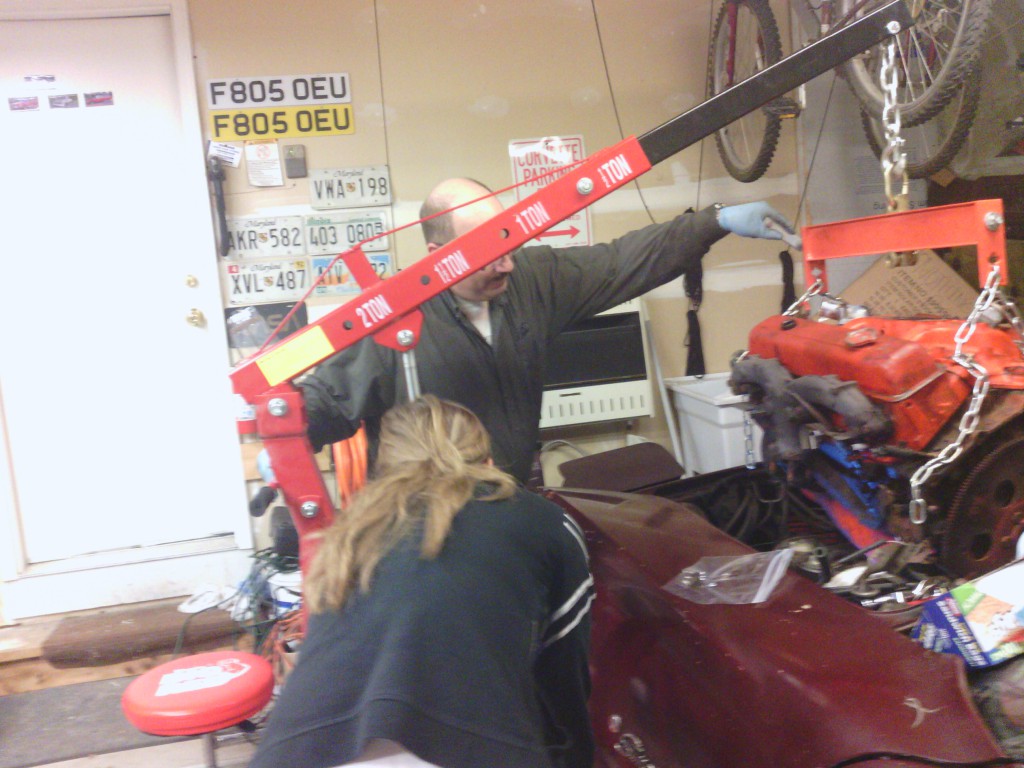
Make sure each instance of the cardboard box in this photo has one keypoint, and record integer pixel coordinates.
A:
(982, 621)
(930, 287)
(964, 261)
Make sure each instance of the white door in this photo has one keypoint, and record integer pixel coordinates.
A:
(124, 479)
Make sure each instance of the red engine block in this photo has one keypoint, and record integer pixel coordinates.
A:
(903, 364)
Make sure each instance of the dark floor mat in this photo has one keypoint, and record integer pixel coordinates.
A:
(66, 722)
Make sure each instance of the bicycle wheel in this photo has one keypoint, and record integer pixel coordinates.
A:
(931, 146)
(745, 40)
(933, 58)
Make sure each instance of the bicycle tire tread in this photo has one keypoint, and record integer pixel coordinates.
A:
(954, 139)
(772, 43)
(968, 43)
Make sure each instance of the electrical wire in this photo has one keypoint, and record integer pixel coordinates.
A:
(256, 588)
(814, 152)
(700, 156)
(179, 642)
(282, 643)
(553, 444)
(614, 102)
(380, 72)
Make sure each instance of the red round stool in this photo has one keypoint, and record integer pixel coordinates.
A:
(199, 694)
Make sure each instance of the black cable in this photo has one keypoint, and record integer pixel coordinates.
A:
(782, 529)
(743, 532)
(868, 756)
(730, 525)
(383, 103)
(615, 105)
(700, 154)
(814, 153)
(810, 514)
(255, 586)
(180, 640)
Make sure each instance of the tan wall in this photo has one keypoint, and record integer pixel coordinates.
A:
(439, 89)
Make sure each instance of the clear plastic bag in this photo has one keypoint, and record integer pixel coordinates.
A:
(732, 579)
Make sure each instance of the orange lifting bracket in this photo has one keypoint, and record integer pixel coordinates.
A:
(979, 223)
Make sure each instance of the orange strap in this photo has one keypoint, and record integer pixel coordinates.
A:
(350, 465)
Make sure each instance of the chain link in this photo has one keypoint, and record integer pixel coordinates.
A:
(814, 290)
(1013, 316)
(972, 416)
(748, 440)
(893, 159)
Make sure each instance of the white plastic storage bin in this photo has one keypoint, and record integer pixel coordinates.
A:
(710, 424)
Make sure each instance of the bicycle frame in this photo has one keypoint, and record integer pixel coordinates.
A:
(823, 13)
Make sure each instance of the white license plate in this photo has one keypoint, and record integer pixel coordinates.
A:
(339, 281)
(335, 232)
(349, 187)
(265, 236)
(259, 282)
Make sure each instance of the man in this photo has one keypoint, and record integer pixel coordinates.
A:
(485, 341)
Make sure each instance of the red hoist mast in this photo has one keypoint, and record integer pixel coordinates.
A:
(388, 309)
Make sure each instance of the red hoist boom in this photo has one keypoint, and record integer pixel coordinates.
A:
(388, 309)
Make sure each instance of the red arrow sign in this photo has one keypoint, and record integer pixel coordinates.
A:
(571, 232)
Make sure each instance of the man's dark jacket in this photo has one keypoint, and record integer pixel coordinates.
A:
(548, 291)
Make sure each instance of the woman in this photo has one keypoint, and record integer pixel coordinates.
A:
(449, 617)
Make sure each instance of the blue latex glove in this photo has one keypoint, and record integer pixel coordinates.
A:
(758, 220)
(263, 467)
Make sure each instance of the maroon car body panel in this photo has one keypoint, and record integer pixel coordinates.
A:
(802, 680)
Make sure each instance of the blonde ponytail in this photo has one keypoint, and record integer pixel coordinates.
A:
(433, 457)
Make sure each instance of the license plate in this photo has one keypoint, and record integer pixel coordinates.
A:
(265, 236)
(339, 281)
(259, 282)
(349, 187)
(338, 231)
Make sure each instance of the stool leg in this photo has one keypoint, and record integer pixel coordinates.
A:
(210, 749)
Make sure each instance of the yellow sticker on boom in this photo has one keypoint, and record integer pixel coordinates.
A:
(295, 356)
(280, 123)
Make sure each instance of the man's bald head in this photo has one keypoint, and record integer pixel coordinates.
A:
(444, 227)
(490, 281)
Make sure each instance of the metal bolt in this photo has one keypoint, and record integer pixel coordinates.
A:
(278, 407)
(691, 579)
(309, 509)
(585, 186)
(893, 27)
(993, 221)
(406, 338)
